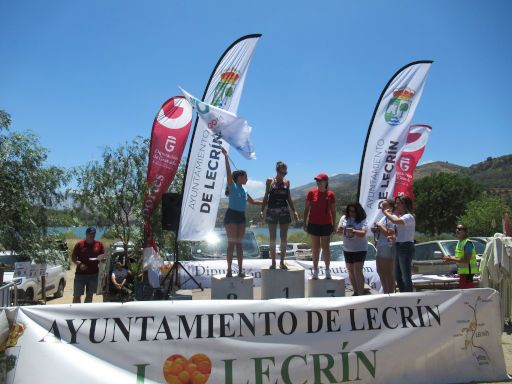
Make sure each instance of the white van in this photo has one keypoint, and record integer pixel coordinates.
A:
(29, 288)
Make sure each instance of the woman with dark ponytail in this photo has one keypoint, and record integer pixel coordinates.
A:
(353, 225)
(279, 203)
(234, 221)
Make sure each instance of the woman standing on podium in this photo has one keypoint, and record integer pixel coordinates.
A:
(234, 221)
(279, 202)
(319, 220)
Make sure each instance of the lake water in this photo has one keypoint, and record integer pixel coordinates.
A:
(263, 231)
(79, 232)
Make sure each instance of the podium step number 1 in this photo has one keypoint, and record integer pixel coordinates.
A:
(282, 284)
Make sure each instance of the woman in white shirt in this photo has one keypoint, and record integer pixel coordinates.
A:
(354, 225)
(384, 232)
(406, 227)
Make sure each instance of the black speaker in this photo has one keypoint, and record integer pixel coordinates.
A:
(171, 211)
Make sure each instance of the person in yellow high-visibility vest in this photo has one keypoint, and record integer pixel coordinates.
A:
(465, 257)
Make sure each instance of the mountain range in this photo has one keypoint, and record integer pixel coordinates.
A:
(492, 174)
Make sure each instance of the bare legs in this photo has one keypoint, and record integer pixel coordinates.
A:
(326, 252)
(386, 271)
(283, 235)
(317, 243)
(283, 232)
(315, 249)
(272, 231)
(355, 274)
(235, 233)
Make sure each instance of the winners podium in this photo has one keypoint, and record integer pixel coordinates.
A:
(277, 284)
(334, 287)
(282, 283)
(232, 288)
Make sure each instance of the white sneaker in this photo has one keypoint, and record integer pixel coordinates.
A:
(315, 274)
(327, 273)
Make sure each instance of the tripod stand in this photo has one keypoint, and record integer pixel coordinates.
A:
(174, 272)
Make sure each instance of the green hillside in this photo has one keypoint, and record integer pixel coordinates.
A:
(491, 173)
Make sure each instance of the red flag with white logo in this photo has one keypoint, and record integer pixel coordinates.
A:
(168, 138)
(417, 139)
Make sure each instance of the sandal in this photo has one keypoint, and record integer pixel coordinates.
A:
(283, 266)
(272, 266)
(229, 274)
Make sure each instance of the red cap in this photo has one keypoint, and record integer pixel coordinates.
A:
(322, 176)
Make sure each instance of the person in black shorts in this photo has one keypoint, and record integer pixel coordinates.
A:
(278, 201)
(234, 221)
(319, 220)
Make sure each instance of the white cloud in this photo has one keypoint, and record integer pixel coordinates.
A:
(255, 188)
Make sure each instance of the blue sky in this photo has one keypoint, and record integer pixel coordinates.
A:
(88, 74)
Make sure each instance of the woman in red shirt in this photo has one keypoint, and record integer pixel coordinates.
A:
(319, 221)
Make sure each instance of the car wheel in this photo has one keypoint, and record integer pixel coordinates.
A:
(60, 289)
(29, 295)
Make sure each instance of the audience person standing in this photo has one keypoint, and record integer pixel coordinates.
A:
(465, 257)
(384, 232)
(405, 229)
(353, 225)
(86, 255)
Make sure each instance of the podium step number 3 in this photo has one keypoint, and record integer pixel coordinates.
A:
(334, 287)
(232, 288)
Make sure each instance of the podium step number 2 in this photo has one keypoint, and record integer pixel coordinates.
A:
(232, 288)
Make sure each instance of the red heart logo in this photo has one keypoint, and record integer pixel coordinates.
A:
(180, 370)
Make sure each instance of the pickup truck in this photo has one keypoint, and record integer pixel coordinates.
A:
(29, 287)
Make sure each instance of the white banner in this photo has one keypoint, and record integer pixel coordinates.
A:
(203, 270)
(206, 170)
(387, 136)
(434, 337)
(29, 270)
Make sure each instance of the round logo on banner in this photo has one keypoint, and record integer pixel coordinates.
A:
(417, 137)
(176, 114)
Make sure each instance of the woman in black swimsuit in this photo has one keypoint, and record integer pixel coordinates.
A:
(279, 202)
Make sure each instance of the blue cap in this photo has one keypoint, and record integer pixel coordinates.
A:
(90, 230)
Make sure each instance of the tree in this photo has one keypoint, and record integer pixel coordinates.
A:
(5, 120)
(483, 216)
(113, 190)
(440, 198)
(28, 189)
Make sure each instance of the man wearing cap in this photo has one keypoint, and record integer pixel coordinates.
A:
(465, 257)
(86, 255)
